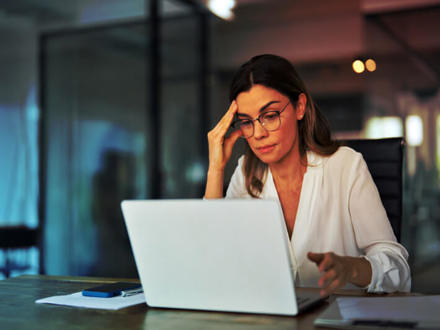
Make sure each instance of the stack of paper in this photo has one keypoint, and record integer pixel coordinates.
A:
(78, 300)
(417, 312)
(417, 308)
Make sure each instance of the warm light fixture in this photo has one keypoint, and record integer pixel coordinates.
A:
(370, 64)
(358, 66)
(222, 8)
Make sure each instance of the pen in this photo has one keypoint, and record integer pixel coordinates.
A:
(131, 292)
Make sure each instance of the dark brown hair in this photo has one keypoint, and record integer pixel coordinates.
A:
(275, 72)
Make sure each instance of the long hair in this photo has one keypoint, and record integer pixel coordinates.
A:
(275, 72)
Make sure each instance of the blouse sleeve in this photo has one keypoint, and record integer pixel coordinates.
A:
(374, 235)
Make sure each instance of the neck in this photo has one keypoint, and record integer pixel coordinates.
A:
(290, 170)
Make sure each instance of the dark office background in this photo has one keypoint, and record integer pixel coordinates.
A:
(106, 100)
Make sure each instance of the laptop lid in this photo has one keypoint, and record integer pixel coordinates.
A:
(222, 255)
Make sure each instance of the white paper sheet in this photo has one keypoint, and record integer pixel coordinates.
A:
(409, 308)
(78, 300)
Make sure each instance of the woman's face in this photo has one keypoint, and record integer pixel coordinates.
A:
(271, 147)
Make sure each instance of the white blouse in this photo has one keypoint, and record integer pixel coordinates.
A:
(339, 210)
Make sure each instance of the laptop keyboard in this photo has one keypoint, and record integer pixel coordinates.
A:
(302, 300)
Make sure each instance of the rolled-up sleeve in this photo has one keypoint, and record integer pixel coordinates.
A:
(390, 269)
(374, 234)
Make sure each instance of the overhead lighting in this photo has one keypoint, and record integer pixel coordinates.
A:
(358, 66)
(370, 64)
(222, 8)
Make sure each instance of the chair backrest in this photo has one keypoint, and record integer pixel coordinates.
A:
(384, 158)
(13, 238)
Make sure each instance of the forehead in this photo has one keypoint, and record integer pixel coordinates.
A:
(251, 101)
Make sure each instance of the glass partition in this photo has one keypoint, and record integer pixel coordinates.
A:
(96, 140)
(99, 129)
(181, 127)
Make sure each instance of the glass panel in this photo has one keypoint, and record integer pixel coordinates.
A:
(405, 85)
(181, 126)
(96, 131)
(18, 137)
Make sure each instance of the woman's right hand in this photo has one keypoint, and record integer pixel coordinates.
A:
(220, 147)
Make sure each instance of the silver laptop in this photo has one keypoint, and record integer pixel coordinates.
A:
(219, 255)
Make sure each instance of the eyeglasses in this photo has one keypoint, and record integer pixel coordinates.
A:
(270, 120)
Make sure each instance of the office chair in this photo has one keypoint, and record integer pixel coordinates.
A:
(384, 158)
(14, 238)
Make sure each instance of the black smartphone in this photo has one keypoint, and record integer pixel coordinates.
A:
(110, 290)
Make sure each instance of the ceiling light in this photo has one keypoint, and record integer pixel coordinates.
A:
(358, 66)
(370, 64)
(222, 8)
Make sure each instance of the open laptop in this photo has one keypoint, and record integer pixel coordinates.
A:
(219, 255)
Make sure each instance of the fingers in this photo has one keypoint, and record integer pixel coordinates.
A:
(327, 278)
(217, 134)
(216, 139)
(333, 285)
(327, 262)
(315, 257)
(233, 107)
(230, 142)
(334, 274)
(226, 120)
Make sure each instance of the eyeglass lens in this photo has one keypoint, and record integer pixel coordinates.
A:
(269, 120)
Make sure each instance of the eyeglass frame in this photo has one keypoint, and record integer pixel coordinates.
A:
(237, 122)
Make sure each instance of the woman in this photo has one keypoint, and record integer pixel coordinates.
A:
(340, 234)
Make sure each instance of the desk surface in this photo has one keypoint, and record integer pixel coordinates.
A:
(18, 310)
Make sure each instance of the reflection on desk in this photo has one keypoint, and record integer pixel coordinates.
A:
(18, 310)
(182, 319)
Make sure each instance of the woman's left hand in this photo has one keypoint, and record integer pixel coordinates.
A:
(337, 271)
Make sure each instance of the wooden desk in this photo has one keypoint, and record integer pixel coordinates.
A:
(18, 310)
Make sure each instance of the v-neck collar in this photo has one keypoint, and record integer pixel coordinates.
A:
(309, 196)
